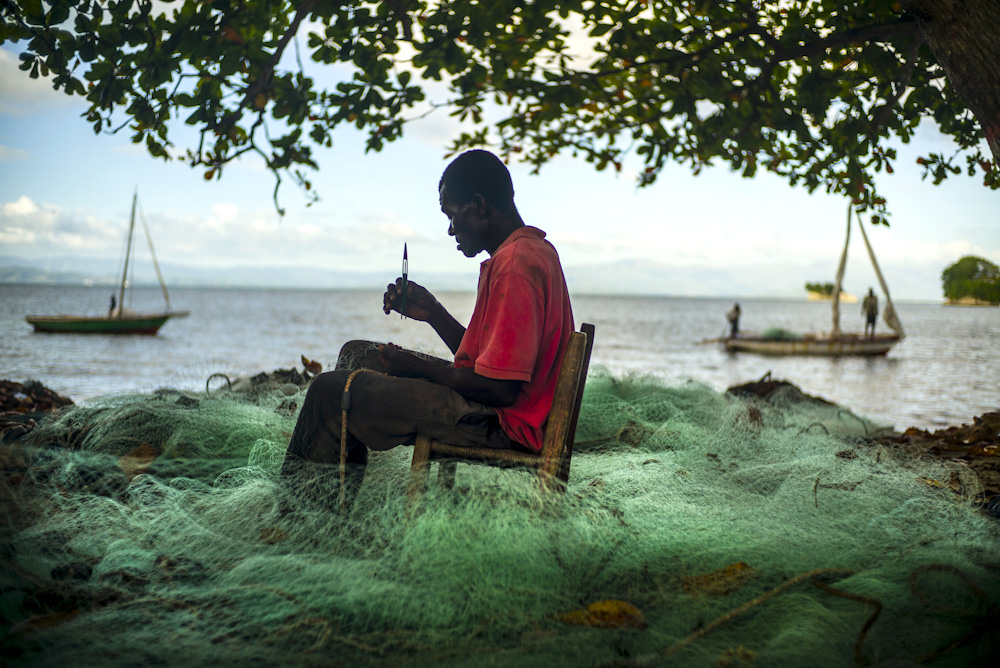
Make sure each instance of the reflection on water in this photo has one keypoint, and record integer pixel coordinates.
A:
(943, 373)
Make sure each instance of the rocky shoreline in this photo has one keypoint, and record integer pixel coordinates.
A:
(975, 446)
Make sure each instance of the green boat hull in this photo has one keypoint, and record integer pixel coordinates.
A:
(129, 324)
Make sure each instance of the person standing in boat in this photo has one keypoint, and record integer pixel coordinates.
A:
(734, 320)
(869, 308)
(111, 305)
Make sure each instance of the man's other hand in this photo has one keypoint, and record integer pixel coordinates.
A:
(420, 303)
(398, 362)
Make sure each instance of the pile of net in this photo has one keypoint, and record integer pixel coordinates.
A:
(699, 528)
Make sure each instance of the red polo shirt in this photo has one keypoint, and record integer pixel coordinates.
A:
(520, 329)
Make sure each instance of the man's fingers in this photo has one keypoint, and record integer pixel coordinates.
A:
(389, 298)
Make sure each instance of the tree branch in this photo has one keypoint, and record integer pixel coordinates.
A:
(904, 80)
(264, 80)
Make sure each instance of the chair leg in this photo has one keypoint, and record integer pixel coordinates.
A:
(446, 476)
(418, 471)
(549, 483)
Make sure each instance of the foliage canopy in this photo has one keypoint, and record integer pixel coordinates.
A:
(973, 277)
(815, 92)
(825, 289)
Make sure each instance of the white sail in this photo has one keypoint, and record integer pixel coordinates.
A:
(889, 313)
(156, 265)
(840, 277)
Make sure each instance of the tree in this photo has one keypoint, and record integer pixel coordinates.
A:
(972, 277)
(824, 289)
(814, 92)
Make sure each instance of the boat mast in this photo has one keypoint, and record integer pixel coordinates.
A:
(156, 265)
(128, 252)
(888, 313)
(840, 277)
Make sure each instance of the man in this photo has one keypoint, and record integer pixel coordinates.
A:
(497, 392)
(734, 320)
(869, 308)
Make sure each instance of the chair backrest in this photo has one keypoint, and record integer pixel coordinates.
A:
(560, 429)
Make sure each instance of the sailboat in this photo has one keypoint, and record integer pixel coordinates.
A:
(119, 320)
(836, 343)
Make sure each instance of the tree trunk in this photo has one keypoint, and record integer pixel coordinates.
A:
(965, 38)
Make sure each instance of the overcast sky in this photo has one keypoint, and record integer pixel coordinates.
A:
(66, 192)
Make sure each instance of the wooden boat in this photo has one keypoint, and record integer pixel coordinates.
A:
(836, 343)
(845, 344)
(119, 320)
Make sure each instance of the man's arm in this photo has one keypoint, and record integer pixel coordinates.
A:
(422, 305)
(474, 387)
(450, 330)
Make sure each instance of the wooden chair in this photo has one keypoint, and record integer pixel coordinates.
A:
(552, 464)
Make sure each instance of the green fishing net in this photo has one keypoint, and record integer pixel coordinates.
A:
(699, 528)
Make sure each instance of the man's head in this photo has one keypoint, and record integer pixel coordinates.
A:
(477, 195)
(481, 173)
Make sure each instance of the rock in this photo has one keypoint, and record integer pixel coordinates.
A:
(771, 390)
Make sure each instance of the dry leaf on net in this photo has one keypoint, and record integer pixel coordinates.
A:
(138, 460)
(719, 582)
(311, 366)
(606, 615)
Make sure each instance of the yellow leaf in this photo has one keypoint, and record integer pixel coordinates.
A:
(312, 366)
(606, 615)
(733, 658)
(723, 581)
(138, 460)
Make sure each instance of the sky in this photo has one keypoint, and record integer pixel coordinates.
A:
(66, 193)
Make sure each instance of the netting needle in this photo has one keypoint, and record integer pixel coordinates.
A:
(405, 289)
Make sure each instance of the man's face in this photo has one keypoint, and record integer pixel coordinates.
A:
(466, 224)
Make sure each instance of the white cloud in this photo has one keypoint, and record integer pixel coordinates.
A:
(226, 212)
(8, 154)
(33, 229)
(24, 206)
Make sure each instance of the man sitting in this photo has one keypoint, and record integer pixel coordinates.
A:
(498, 390)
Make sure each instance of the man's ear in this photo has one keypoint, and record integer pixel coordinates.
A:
(482, 206)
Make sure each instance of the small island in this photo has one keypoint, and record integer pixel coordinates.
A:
(824, 292)
(972, 281)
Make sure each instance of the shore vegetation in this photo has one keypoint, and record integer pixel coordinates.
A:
(972, 280)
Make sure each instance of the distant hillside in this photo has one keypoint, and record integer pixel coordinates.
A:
(634, 277)
(35, 275)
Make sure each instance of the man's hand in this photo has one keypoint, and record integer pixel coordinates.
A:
(420, 303)
(395, 361)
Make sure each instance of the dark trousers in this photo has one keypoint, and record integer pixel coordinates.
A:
(385, 411)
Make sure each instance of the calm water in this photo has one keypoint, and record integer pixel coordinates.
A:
(946, 370)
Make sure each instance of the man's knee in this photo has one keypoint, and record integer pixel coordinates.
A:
(326, 387)
(358, 354)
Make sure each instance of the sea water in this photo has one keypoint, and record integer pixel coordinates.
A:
(946, 371)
